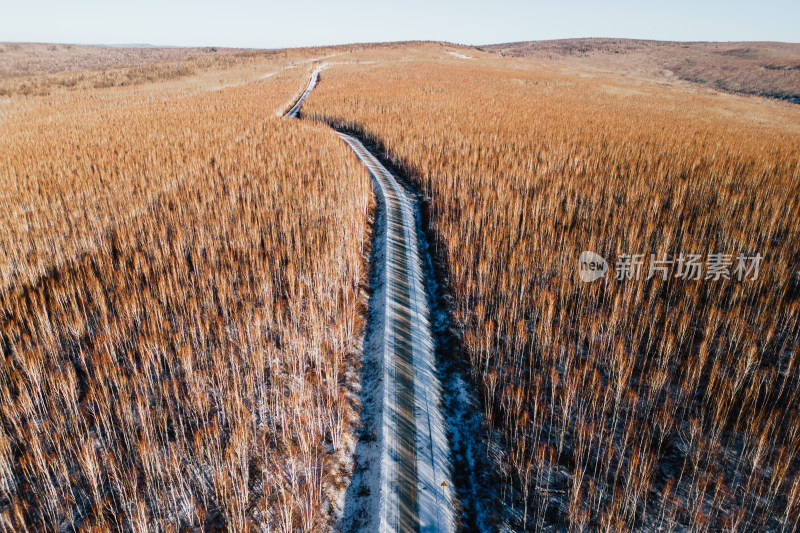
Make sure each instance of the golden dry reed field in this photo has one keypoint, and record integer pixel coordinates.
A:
(619, 405)
(180, 307)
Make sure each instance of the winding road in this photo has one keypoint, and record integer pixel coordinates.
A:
(294, 111)
(416, 488)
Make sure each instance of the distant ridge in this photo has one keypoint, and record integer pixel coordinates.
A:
(763, 68)
(139, 45)
(33, 59)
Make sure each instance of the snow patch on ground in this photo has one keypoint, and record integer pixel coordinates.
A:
(460, 56)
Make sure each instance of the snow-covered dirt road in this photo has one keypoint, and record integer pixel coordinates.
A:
(415, 492)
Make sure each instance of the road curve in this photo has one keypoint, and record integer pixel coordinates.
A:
(294, 111)
(416, 487)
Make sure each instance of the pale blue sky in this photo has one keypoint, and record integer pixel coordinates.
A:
(269, 24)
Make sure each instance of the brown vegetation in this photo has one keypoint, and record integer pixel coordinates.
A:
(179, 310)
(44, 69)
(653, 404)
(762, 68)
(179, 290)
(36, 59)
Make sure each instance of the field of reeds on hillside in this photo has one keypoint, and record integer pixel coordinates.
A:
(661, 404)
(180, 280)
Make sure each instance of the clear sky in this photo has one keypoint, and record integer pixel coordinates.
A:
(270, 24)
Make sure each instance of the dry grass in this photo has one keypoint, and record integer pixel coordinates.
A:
(45, 69)
(180, 270)
(36, 59)
(636, 405)
(179, 311)
(763, 68)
